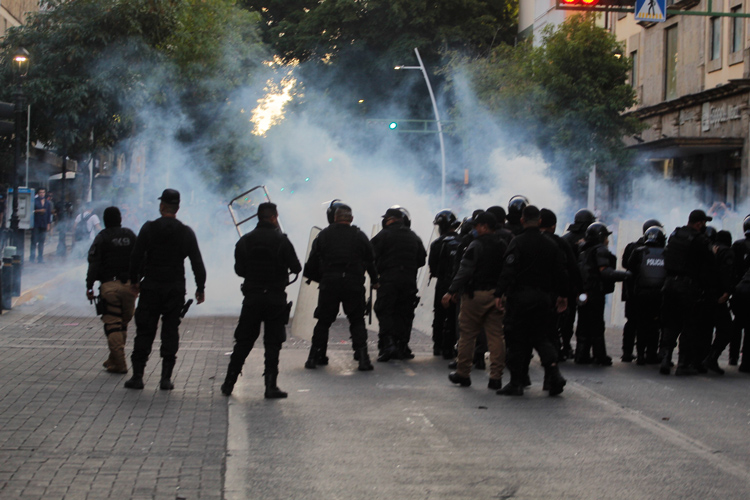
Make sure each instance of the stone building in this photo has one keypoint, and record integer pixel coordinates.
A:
(14, 12)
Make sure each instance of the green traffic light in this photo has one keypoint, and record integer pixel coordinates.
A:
(393, 125)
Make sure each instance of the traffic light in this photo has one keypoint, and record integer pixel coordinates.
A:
(7, 119)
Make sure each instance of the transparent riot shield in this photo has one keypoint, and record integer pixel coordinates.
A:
(303, 321)
(244, 207)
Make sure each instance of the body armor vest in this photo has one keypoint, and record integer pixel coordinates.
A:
(652, 273)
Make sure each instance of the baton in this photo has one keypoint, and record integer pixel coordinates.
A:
(185, 308)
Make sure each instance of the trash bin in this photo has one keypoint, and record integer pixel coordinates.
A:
(17, 270)
(7, 283)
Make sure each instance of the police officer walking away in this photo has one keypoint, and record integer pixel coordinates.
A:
(476, 280)
(157, 273)
(690, 266)
(443, 253)
(109, 262)
(339, 257)
(399, 253)
(532, 286)
(264, 257)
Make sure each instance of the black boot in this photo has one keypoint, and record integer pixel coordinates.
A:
(712, 362)
(322, 356)
(684, 367)
(514, 387)
(165, 384)
(312, 359)
(136, 381)
(388, 351)
(364, 360)
(272, 391)
(229, 381)
(583, 355)
(554, 379)
(666, 362)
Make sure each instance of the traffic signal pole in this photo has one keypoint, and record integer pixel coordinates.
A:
(18, 234)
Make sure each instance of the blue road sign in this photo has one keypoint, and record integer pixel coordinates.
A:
(654, 11)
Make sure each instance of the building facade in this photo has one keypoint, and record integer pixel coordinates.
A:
(692, 78)
(14, 12)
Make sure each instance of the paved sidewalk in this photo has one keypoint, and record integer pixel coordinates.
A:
(69, 430)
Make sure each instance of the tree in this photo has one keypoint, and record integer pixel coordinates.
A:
(568, 95)
(97, 65)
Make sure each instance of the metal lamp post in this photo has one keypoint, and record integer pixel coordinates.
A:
(20, 70)
(437, 119)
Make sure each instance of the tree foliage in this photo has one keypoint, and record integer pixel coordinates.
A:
(98, 64)
(568, 95)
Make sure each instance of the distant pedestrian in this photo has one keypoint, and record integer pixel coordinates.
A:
(85, 227)
(157, 272)
(109, 263)
(42, 222)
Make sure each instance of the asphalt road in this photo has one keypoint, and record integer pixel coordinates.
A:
(404, 431)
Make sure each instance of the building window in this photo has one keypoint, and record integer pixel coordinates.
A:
(634, 69)
(715, 38)
(737, 23)
(670, 69)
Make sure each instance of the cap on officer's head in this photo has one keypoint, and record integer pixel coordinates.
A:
(393, 212)
(547, 218)
(170, 197)
(486, 218)
(698, 216)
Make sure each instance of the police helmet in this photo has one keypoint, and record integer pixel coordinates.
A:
(331, 211)
(516, 206)
(466, 226)
(651, 223)
(404, 214)
(584, 216)
(655, 237)
(746, 226)
(597, 233)
(445, 220)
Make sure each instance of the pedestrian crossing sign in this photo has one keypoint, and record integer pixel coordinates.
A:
(654, 11)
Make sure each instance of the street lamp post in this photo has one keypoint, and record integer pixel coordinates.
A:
(20, 70)
(437, 119)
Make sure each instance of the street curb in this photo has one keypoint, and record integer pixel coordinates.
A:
(29, 294)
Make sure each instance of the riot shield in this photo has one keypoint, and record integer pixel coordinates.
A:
(244, 208)
(303, 321)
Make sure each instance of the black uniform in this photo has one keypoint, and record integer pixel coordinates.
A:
(690, 266)
(399, 253)
(340, 254)
(533, 276)
(629, 329)
(647, 265)
(598, 275)
(264, 257)
(574, 238)
(574, 282)
(441, 262)
(109, 256)
(158, 264)
(741, 303)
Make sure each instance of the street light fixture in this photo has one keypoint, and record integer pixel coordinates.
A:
(20, 70)
(437, 119)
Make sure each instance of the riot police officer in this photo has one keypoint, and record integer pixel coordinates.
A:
(533, 285)
(264, 257)
(441, 263)
(109, 262)
(339, 257)
(515, 211)
(575, 238)
(399, 253)
(646, 262)
(598, 277)
(629, 329)
(741, 299)
(690, 266)
(476, 280)
(158, 260)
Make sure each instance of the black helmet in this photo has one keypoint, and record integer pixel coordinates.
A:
(746, 226)
(597, 233)
(651, 223)
(499, 213)
(585, 217)
(404, 214)
(396, 212)
(516, 206)
(466, 226)
(655, 237)
(331, 211)
(445, 220)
